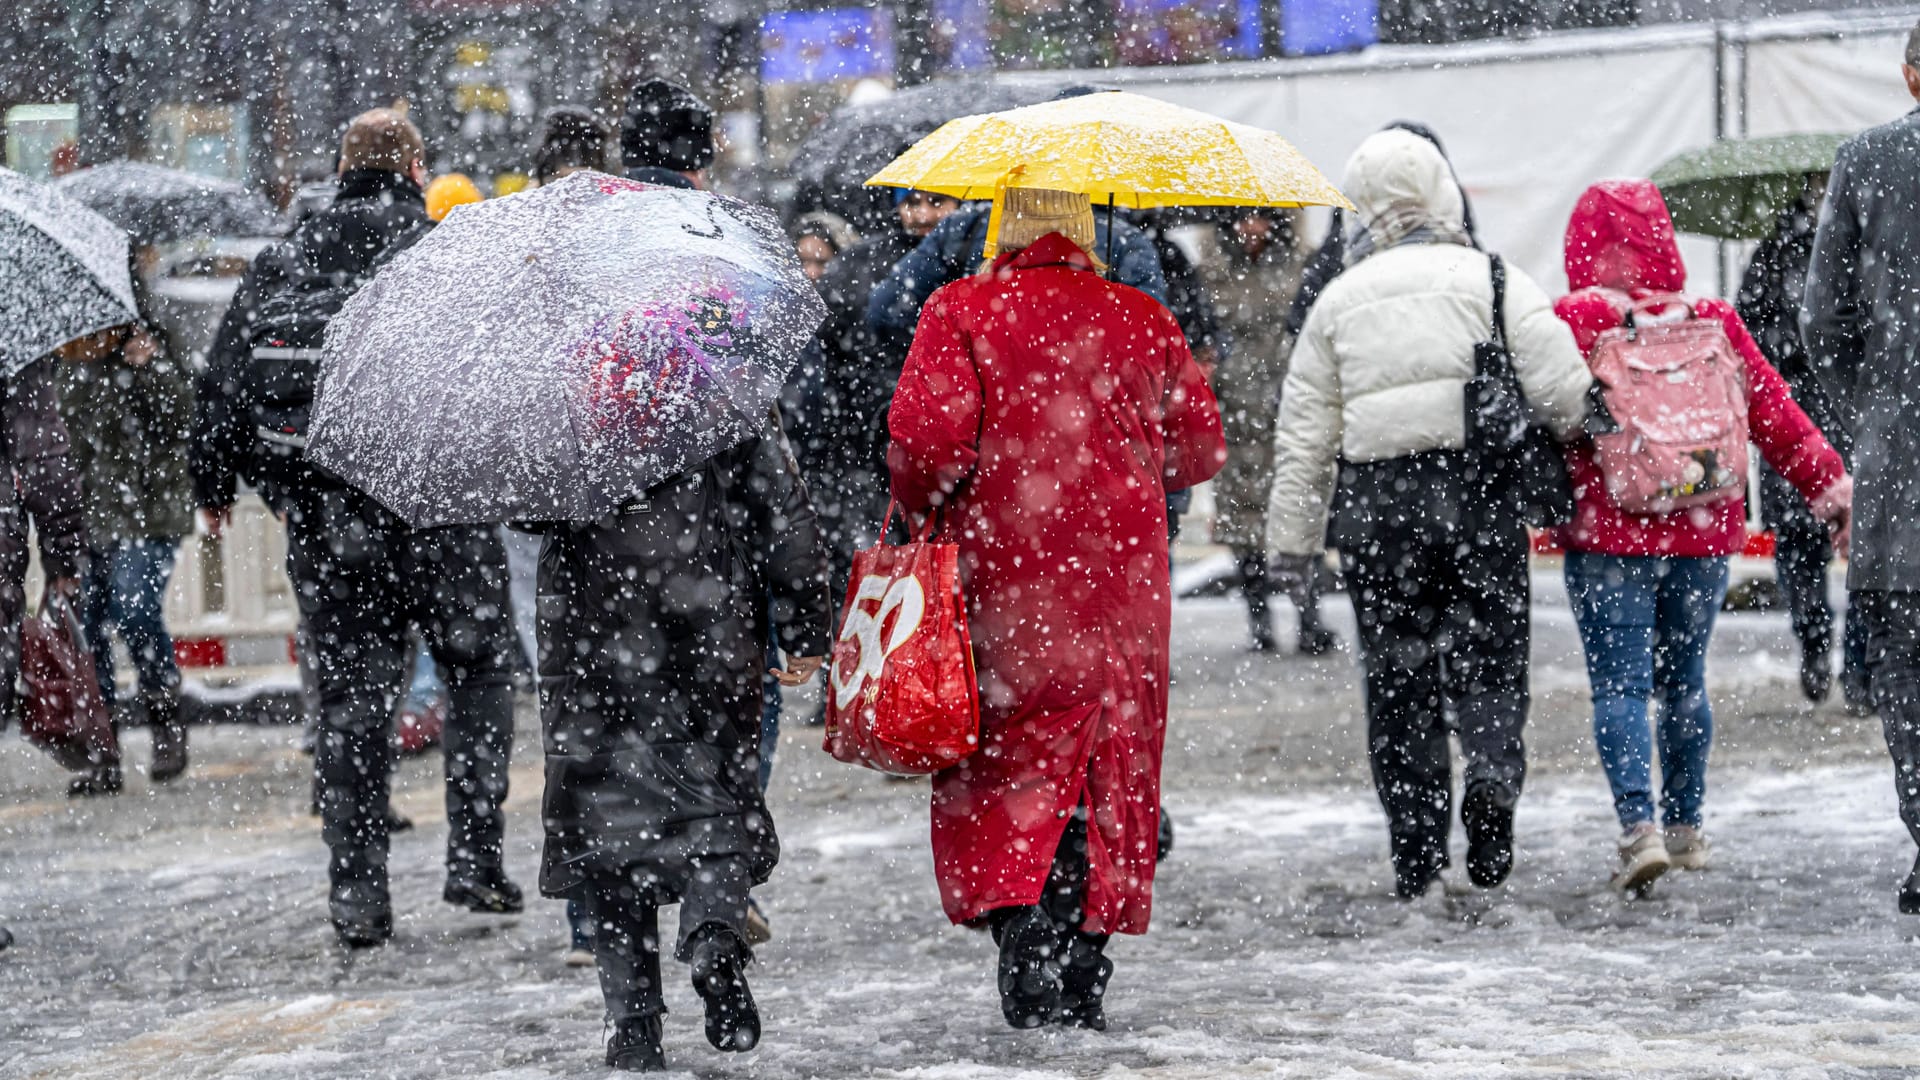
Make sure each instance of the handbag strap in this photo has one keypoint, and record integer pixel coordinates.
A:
(1497, 273)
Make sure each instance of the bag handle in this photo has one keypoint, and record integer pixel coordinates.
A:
(1497, 272)
(927, 530)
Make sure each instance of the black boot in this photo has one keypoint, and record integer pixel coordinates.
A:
(1083, 983)
(169, 736)
(635, 1046)
(1910, 890)
(719, 960)
(101, 779)
(484, 890)
(1163, 845)
(6, 939)
(1317, 640)
(1416, 866)
(352, 768)
(1254, 586)
(1489, 825)
(1816, 670)
(1029, 976)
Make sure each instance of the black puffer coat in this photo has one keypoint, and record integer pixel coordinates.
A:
(653, 632)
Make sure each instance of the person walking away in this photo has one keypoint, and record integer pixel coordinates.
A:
(666, 136)
(128, 407)
(652, 649)
(44, 488)
(1435, 559)
(572, 138)
(1254, 276)
(1769, 305)
(1646, 586)
(1055, 491)
(362, 577)
(1861, 324)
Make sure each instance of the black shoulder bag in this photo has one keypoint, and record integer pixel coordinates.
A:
(1519, 463)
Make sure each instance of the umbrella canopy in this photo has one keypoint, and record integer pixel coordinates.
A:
(158, 205)
(63, 272)
(551, 354)
(1134, 150)
(1735, 189)
(856, 141)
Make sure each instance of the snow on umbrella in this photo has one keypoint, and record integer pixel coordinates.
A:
(1735, 189)
(158, 205)
(551, 355)
(63, 272)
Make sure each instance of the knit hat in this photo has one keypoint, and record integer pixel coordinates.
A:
(666, 127)
(1031, 213)
(571, 137)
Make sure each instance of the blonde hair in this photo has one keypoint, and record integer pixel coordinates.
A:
(382, 139)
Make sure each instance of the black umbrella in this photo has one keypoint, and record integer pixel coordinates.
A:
(858, 141)
(158, 205)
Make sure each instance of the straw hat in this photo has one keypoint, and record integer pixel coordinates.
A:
(1031, 213)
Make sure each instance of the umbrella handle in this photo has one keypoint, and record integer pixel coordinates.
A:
(992, 246)
(1110, 273)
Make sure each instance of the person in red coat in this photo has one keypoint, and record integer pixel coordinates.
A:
(1042, 415)
(1645, 588)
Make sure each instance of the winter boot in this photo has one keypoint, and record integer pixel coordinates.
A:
(1253, 585)
(1083, 983)
(635, 1046)
(1910, 890)
(169, 736)
(719, 960)
(1489, 826)
(101, 779)
(6, 939)
(759, 930)
(1029, 976)
(1317, 640)
(352, 768)
(483, 890)
(1163, 843)
(1687, 847)
(1643, 858)
(1816, 670)
(1417, 863)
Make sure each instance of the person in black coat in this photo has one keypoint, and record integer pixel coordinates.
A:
(653, 641)
(1769, 303)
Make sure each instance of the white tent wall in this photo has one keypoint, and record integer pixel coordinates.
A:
(1531, 123)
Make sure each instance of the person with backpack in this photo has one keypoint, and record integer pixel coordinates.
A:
(363, 578)
(1373, 430)
(653, 644)
(1660, 495)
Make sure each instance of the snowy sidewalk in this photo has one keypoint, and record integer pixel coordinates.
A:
(182, 932)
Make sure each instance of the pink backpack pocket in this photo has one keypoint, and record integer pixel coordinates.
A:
(1678, 392)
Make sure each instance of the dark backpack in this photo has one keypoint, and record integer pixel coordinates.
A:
(285, 344)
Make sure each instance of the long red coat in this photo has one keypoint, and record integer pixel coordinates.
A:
(1050, 411)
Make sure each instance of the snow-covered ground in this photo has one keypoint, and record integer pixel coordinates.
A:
(182, 932)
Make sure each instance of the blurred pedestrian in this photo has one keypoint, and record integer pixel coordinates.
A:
(819, 237)
(650, 676)
(1252, 279)
(1646, 587)
(1769, 304)
(1861, 324)
(666, 136)
(128, 406)
(363, 578)
(1372, 425)
(572, 138)
(1041, 417)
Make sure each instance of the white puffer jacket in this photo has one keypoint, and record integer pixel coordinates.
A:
(1382, 364)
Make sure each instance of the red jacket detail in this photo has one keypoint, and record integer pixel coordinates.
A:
(1620, 241)
(1050, 410)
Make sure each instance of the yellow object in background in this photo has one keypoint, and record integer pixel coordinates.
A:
(448, 191)
(510, 183)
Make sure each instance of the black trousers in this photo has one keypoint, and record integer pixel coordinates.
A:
(364, 579)
(625, 917)
(1444, 639)
(1892, 620)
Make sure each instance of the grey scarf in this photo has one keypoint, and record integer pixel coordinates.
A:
(1403, 223)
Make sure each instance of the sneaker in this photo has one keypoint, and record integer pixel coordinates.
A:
(719, 977)
(1643, 858)
(635, 1046)
(759, 930)
(1687, 847)
(577, 956)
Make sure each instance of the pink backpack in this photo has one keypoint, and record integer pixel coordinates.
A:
(1677, 390)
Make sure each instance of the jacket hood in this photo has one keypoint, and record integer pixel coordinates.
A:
(1621, 237)
(1395, 171)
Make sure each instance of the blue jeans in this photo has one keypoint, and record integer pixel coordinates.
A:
(125, 587)
(1645, 622)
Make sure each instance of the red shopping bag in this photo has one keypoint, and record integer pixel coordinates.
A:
(61, 711)
(901, 695)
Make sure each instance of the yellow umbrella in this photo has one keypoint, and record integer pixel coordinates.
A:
(1120, 149)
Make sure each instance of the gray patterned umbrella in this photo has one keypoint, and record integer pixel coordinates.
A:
(158, 205)
(63, 272)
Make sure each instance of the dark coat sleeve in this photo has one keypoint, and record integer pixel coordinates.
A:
(49, 487)
(787, 543)
(1135, 261)
(220, 432)
(1832, 320)
(894, 308)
